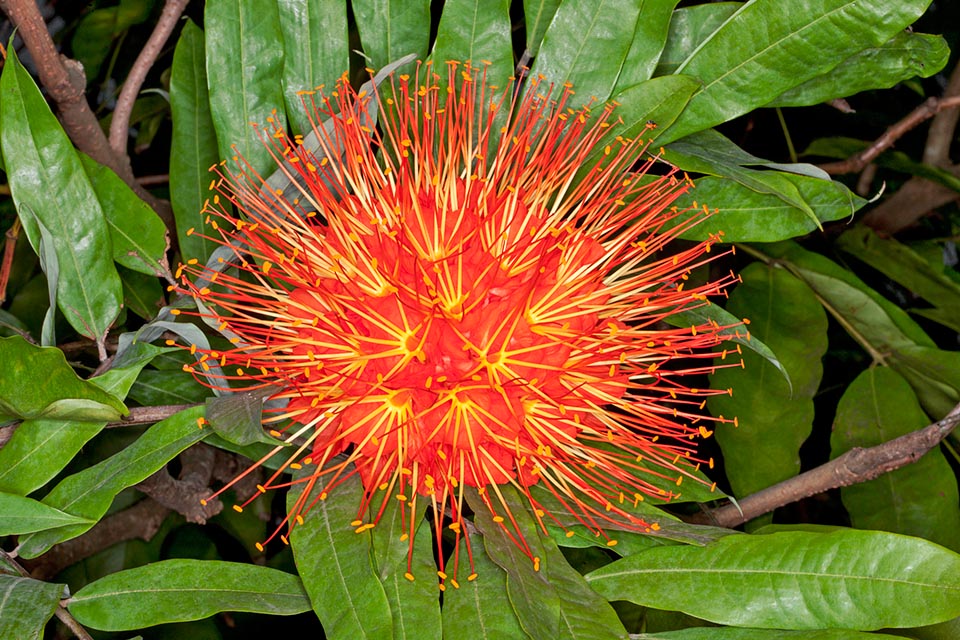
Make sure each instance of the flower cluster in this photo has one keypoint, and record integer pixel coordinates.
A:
(469, 293)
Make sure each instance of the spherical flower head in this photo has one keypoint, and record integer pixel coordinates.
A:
(466, 293)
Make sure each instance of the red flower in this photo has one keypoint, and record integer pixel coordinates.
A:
(470, 295)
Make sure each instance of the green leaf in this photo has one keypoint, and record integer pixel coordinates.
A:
(180, 590)
(648, 41)
(586, 45)
(919, 499)
(774, 419)
(167, 387)
(660, 100)
(26, 605)
(142, 294)
(729, 633)
(49, 187)
(90, 492)
(391, 29)
(476, 30)
(193, 143)
(244, 58)
(236, 417)
(336, 565)
(717, 315)
(549, 597)
(537, 15)
(40, 449)
(414, 605)
(19, 515)
(906, 55)
(38, 383)
(95, 35)
(476, 610)
(137, 234)
(316, 52)
(847, 579)
(689, 27)
(768, 47)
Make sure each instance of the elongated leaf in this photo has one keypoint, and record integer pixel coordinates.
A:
(237, 416)
(179, 590)
(689, 27)
(88, 494)
(414, 604)
(335, 564)
(142, 294)
(26, 605)
(847, 579)
(658, 101)
(768, 47)
(391, 29)
(746, 215)
(476, 611)
(19, 515)
(919, 499)
(137, 234)
(774, 419)
(648, 41)
(244, 58)
(585, 45)
(316, 52)
(38, 383)
(904, 56)
(49, 186)
(40, 449)
(167, 387)
(537, 15)
(727, 633)
(479, 31)
(193, 143)
(97, 31)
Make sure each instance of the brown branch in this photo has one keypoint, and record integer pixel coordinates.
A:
(930, 108)
(65, 82)
(184, 494)
(853, 467)
(120, 123)
(149, 415)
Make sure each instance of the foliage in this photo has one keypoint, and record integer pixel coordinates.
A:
(846, 327)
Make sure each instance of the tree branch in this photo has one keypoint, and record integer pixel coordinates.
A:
(120, 123)
(853, 467)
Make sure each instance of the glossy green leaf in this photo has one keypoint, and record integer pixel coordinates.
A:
(659, 101)
(391, 29)
(179, 590)
(237, 416)
(167, 387)
(414, 604)
(919, 499)
(746, 215)
(142, 294)
(478, 31)
(729, 633)
(49, 187)
(97, 31)
(774, 419)
(549, 597)
(316, 52)
(137, 234)
(846, 579)
(90, 492)
(768, 47)
(40, 449)
(193, 143)
(336, 565)
(648, 41)
(476, 610)
(934, 375)
(244, 58)
(689, 27)
(737, 331)
(537, 15)
(38, 383)
(26, 605)
(50, 265)
(586, 45)
(19, 515)
(906, 55)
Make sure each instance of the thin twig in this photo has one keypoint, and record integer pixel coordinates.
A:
(149, 415)
(853, 467)
(120, 122)
(930, 108)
